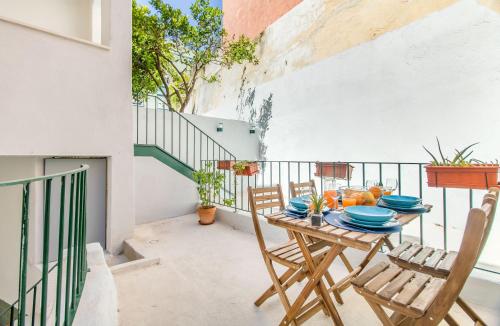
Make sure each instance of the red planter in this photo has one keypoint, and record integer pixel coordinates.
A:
(225, 165)
(471, 177)
(250, 169)
(334, 170)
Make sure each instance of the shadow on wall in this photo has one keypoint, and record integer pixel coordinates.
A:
(258, 117)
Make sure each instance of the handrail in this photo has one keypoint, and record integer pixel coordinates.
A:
(189, 121)
(72, 268)
(84, 167)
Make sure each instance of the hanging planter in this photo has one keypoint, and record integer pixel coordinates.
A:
(334, 170)
(461, 171)
(476, 176)
(246, 168)
(225, 164)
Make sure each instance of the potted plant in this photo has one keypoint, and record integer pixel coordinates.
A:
(225, 164)
(210, 183)
(335, 170)
(246, 168)
(461, 171)
(317, 204)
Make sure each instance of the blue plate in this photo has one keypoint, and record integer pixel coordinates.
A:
(371, 225)
(299, 203)
(296, 210)
(418, 209)
(370, 213)
(333, 219)
(402, 201)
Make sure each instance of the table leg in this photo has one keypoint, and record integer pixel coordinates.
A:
(315, 282)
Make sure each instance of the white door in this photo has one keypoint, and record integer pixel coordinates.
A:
(96, 198)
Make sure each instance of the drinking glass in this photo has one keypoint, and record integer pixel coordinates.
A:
(391, 185)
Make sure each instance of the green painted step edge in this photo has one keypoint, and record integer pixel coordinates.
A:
(165, 158)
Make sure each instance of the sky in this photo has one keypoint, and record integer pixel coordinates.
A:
(183, 4)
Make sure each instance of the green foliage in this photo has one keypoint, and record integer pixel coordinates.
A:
(170, 52)
(210, 182)
(240, 166)
(461, 158)
(317, 202)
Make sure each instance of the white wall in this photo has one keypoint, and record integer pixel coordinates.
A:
(235, 137)
(76, 18)
(161, 192)
(383, 99)
(64, 98)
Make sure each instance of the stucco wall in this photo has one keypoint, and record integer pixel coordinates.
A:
(251, 17)
(65, 98)
(381, 98)
(161, 192)
(76, 18)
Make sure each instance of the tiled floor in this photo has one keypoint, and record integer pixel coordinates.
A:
(211, 275)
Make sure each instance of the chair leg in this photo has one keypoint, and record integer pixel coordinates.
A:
(271, 290)
(470, 312)
(450, 320)
(386, 321)
(278, 286)
(346, 262)
(336, 293)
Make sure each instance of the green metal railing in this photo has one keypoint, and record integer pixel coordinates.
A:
(432, 228)
(31, 307)
(155, 124)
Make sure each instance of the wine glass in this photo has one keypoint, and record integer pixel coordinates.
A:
(372, 183)
(391, 185)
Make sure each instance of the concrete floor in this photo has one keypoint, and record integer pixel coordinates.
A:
(211, 275)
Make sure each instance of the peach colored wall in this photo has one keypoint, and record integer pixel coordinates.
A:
(251, 17)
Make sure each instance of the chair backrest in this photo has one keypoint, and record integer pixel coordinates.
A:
(301, 189)
(475, 234)
(264, 198)
(489, 205)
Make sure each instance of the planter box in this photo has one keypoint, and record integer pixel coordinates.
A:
(334, 170)
(470, 177)
(250, 169)
(225, 165)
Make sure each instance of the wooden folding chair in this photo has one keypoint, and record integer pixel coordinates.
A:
(419, 298)
(438, 262)
(303, 188)
(309, 188)
(287, 254)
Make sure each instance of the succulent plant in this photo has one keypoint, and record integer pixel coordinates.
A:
(317, 203)
(462, 157)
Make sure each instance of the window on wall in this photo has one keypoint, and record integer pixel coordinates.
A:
(83, 19)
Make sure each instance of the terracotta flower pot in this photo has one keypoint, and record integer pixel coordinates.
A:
(206, 215)
(250, 169)
(334, 170)
(471, 177)
(225, 165)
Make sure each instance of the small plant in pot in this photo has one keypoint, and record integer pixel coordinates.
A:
(317, 205)
(210, 183)
(246, 168)
(462, 171)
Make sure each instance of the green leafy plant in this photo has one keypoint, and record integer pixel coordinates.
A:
(240, 166)
(461, 157)
(171, 51)
(317, 203)
(210, 183)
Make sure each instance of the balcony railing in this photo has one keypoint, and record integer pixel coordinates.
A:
(442, 227)
(33, 305)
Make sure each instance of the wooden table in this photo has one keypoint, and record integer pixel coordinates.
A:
(339, 238)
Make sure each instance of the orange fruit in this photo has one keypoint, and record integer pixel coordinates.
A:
(376, 191)
(359, 198)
